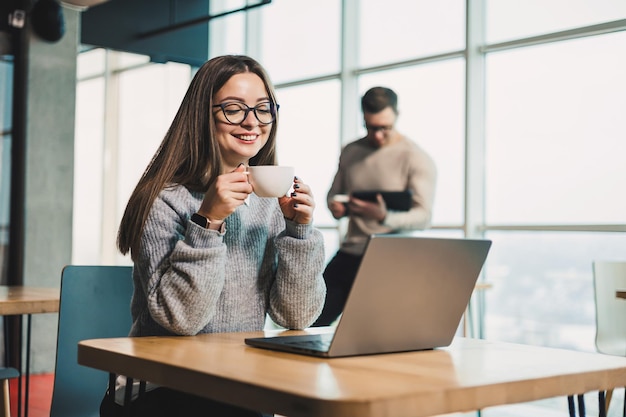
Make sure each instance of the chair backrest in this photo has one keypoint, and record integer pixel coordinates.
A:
(5, 397)
(608, 277)
(95, 303)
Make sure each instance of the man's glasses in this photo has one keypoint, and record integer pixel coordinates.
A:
(376, 129)
(236, 113)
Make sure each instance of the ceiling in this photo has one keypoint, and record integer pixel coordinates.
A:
(165, 30)
(122, 25)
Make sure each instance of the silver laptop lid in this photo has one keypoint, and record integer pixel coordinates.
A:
(410, 294)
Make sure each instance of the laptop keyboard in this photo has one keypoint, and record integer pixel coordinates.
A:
(321, 345)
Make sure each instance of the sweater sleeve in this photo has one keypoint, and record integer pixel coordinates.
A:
(298, 292)
(182, 266)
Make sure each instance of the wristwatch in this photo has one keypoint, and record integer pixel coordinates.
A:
(202, 221)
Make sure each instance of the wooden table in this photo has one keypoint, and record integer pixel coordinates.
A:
(469, 375)
(25, 300)
(20, 300)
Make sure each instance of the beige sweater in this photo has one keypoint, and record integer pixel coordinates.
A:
(396, 167)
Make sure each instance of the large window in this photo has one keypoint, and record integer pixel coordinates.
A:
(400, 30)
(295, 44)
(309, 136)
(512, 19)
(88, 170)
(555, 133)
(121, 118)
(141, 132)
(543, 288)
(227, 35)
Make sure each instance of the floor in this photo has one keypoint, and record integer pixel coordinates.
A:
(40, 395)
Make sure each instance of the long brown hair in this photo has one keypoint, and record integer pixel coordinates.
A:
(189, 154)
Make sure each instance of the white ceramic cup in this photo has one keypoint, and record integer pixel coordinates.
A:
(271, 180)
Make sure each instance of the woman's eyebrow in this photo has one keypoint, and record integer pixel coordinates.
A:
(233, 98)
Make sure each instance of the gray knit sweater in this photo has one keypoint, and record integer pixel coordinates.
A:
(191, 280)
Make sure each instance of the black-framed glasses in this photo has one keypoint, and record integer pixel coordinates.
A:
(235, 113)
(376, 129)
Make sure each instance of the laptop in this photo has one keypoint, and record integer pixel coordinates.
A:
(409, 294)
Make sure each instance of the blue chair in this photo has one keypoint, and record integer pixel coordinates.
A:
(5, 399)
(95, 303)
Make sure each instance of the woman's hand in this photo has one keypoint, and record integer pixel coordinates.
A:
(228, 192)
(299, 206)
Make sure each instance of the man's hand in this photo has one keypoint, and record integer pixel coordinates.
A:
(369, 209)
(337, 209)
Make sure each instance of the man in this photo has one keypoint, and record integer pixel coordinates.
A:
(384, 160)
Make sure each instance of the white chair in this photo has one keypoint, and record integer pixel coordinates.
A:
(608, 278)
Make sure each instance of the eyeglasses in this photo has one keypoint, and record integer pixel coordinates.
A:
(376, 129)
(236, 113)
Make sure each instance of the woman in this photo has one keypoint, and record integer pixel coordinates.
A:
(209, 255)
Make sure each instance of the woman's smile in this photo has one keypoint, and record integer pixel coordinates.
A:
(247, 137)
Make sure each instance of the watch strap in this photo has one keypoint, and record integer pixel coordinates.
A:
(204, 222)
